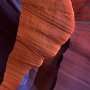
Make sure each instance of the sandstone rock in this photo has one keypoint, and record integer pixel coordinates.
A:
(44, 26)
(81, 9)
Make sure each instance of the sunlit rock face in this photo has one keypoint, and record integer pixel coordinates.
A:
(44, 27)
(81, 9)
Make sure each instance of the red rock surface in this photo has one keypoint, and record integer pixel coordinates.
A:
(44, 27)
(81, 9)
(75, 68)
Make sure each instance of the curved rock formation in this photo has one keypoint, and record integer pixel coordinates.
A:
(44, 26)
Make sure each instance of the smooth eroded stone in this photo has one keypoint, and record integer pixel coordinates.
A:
(81, 9)
(44, 26)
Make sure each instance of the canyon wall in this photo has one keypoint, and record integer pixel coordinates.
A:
(81, 9)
